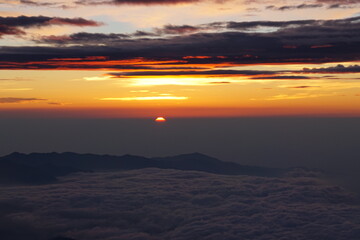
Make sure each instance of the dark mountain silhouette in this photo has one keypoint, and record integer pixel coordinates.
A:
(201, 162)
(14, 169)
(87, 162)
(37, 168)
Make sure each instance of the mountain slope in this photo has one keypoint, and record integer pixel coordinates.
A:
(36, 168)
(201, 162)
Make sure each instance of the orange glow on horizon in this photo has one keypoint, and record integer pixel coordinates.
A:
(176, 112)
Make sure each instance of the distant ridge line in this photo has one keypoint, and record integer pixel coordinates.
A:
(46, 167)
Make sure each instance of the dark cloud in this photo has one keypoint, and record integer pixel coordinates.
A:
(170, 204)
(322, 33)
(19, 100)
(13, 25)
(311, 41)
(256, 24)
(91, 38)
(84, 38)
(302, 87)
(330, 4)
(286, 31)
(40, 21)
(337, 69)
(9, 30)
(81, 22)
(313, 4)
(281, 77)
(318, 3)
(38, 3)
(222, 82)
(293, 7)
(192, 73)
(173, 29)
(33, 3)
(139, 33)
(334, 6)
(140, 2)
(339, 1)
(158, 33)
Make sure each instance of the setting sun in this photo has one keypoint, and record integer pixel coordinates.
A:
(160, 119)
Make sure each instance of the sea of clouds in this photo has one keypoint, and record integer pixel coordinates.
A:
(155, 204)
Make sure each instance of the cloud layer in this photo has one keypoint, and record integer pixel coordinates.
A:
(337, 69)
(140, 2)
(170, 204)
(208, 47)
(19, 100)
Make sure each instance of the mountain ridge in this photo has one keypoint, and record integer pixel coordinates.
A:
(52, 165)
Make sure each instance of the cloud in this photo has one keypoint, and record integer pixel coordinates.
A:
(157, 33)
(293, 7)
(330, 4)
(15, 25)
(296, 96)
(8, 30)
(154, 204)
(281, 77)
(141, 2)
(172, 2)
(303, 87)
(153, 98)
(339, 1)
(311, 41)
(19, 100)
(33, 3)
(84, 38)
(192, 73)
(40, 21)
(174, 29)
(220, 82)
(337, 69)
(257, 24)
(39, 3)
(116, 38)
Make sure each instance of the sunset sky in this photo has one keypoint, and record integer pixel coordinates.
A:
(179, 58)
(179, 119)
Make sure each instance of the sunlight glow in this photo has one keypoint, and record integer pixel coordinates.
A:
(145, 98)
(160, 119)
(181, 81)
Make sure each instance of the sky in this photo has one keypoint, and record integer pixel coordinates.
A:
(179, 58)
(271, 83)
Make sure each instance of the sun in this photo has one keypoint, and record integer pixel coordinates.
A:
(160, 119)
